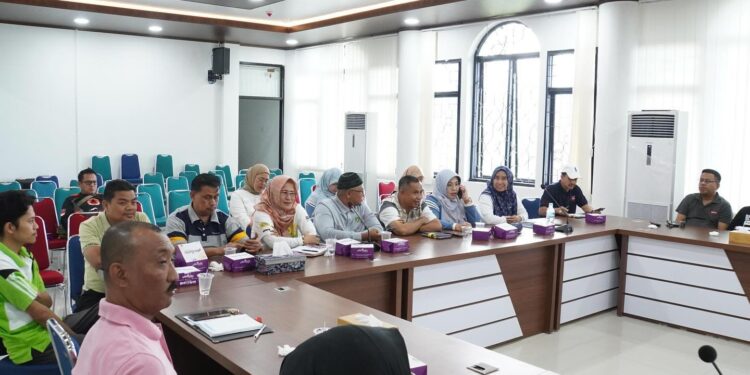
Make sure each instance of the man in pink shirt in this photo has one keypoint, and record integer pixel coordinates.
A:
(139, 280)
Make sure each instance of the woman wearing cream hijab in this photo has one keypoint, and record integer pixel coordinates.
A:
(279, 218)
(242, 204)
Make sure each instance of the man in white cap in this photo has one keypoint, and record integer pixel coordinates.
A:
(564, 195)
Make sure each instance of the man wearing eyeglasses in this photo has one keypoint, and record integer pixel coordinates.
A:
(87, 201)
(346, 215)
(706, 208)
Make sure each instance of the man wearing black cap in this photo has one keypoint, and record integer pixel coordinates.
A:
(346, 215)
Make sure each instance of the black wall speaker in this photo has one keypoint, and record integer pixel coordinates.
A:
(221, 61)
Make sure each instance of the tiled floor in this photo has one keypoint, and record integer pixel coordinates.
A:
(606, 344)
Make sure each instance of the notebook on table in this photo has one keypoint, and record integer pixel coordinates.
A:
(223, 324)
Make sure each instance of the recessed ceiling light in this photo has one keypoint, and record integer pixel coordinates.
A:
(154, 28)
(81, 21)
(552, 1)
(292, 42)
(411, 21)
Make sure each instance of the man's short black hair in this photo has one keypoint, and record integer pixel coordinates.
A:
(205, 179)
(85, 172)
(713, 172)
(13, 205)
(405, 181)
(118, 243)
(114, 186)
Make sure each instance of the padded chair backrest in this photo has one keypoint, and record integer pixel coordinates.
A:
(99, 180)
(44, 189)
(148, 208)
(155, 178)
(164, 165)
(242, 172)
(66, 348)
(102, 166)
(39, 248)
(190, 175)
(75, 266)
(531, 206)
(74, 182)
(52, 178)
(139, 206)
(32, 194)
(61, 194)
(223, 204)
(100, 189)
(275, 172)
(45, 209)
(130, 167)
(157, 200)
(177, 183)
(10, 185)
(306, 175)
(177, 199)
(75, 220)
(386, 187)
(239, 181)
(227, 176)
(193, 168)
(305, 188)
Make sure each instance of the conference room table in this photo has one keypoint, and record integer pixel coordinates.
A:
(450, 298)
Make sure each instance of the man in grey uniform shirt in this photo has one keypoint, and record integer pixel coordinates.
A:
(346, 215)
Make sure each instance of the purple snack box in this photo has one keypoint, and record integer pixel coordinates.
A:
(362, 251)
(481, 234)
(238, 262)
(417, 367)
(394, 245)
(344, 246)
(544, 229)
(187, 276)
(596, 218)
(505, 231)
(191, 254)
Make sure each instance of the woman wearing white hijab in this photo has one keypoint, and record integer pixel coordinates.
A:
(451, 203)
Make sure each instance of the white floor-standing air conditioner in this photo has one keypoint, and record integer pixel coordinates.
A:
(360, 151)
(654, 179)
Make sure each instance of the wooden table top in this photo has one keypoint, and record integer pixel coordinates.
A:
(293, 314)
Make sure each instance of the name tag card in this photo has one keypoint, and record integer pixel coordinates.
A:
(191, 254)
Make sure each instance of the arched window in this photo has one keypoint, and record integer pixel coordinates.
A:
(506, 103)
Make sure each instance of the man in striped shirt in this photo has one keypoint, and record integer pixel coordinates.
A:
(25, 306)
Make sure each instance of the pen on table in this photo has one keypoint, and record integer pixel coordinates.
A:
(257, 334)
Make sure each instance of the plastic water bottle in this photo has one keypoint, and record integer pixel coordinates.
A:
(550, 214)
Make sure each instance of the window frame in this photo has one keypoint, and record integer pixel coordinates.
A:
(549, 116)
(478, 108)
(457, 95)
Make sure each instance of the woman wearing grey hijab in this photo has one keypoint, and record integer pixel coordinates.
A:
(326, 189)
(451, 203)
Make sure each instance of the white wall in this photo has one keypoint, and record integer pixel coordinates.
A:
(74, 94)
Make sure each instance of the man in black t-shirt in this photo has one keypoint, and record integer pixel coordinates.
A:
(564, 195)
(87, 201)
(706, 208)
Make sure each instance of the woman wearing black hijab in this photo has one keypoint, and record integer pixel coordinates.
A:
(349, 350)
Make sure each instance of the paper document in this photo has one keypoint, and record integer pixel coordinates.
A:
(229, 325)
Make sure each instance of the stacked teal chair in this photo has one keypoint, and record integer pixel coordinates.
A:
(10, 185)
(61, 194)
(44, 189)
(306, 175)
(52, 178)
(32, 194)
(177, 183)
(223, 204)
(102, 166)
(164, 165)
(239, 181)
(155, 178)
(157, 202)
(147, 206)
(177, 199)
(100, 189)
(193, 168)
(275, 172)
(227, 176)
(74, 183)
(305, 189)
(190, 175)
